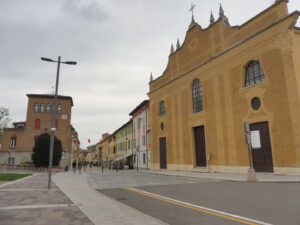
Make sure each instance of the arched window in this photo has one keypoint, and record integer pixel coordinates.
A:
(42, 107)
(162, 108)
(197, 96)
(13, 142)
(36, 107)
(48, 108)
(254, 74)
(37, 124)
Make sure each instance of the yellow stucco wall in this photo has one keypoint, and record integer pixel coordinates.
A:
(218, 56)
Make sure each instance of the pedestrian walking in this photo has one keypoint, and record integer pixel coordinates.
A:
(84, 166)
(91, 164)
(79, 166)
(74, 165)
(117, 166)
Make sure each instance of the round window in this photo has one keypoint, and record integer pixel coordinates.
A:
(255, 103)
(162, 126)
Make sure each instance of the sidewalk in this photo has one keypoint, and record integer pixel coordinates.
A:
(28, 201)
(99, 208)
(261, 177)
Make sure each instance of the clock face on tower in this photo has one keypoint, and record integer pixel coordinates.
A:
(64, 116)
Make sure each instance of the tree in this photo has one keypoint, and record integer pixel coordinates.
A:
(91, 147)
(41, 149)
(4, 118)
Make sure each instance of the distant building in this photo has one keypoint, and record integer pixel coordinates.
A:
(21, 138)
(219, 78)
(105, 135)
(141, 135)
(124, 144)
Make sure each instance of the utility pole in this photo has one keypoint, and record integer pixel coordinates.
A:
(54, 113)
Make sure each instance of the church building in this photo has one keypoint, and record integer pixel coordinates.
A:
(221, 77)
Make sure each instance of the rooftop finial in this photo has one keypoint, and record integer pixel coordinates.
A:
(151, 77)
(212, 18)
(192, 10)
(221, 11)
(172, 49)
(193, 23)
(177, 44)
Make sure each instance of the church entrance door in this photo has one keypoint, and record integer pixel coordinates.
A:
(200, 151)
(261, 149)
(163, 153)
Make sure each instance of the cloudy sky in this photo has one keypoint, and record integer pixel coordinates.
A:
(116, 43)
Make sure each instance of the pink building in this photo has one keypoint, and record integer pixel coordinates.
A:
(141, 136)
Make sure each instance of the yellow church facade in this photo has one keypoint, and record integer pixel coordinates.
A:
(218, 79)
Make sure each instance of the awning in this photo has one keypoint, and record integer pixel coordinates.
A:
(122, 157)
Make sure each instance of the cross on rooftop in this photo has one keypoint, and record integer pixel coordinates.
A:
(192, 9)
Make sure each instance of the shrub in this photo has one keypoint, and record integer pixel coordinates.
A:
(41, 149)
(26, 162)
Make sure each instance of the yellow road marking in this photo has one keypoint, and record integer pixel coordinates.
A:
(199, 208)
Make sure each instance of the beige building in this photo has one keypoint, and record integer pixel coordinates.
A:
(75, 147)
(124, 144)
(20, 139)
(219, 78)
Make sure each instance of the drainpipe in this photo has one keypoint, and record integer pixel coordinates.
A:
(147, 139)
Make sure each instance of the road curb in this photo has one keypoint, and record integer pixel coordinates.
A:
(218, 179)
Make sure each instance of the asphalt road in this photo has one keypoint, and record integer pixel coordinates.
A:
(271, 203)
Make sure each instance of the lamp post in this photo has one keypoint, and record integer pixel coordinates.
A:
(54, 113)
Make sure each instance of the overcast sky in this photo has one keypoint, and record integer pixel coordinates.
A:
(116, 43)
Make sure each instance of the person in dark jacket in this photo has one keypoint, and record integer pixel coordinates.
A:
(74, 165)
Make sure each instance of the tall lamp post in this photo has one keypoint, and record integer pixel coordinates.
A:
(54, 113)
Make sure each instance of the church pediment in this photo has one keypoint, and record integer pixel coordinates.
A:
(201, 45)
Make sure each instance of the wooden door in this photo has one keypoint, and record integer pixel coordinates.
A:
(262, 157)
(200, 151)
(163, 153)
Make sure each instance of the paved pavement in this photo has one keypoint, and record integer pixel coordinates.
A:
(74, 200)
(99, 208)
(261, 177)
(130, 178)
(28, 201)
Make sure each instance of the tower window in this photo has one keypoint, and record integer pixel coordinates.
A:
(42, 107)
(36, 107)
(48, 108)
(59, 108)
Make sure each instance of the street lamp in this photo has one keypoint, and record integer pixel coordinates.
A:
(53, 114)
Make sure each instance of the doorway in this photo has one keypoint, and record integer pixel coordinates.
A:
(163, 153)
(262, 156)
(200, 151)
